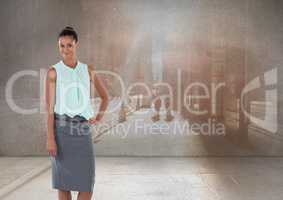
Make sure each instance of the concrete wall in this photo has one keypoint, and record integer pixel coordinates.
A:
(237, 40)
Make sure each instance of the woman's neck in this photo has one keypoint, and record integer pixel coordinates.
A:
(71, 62)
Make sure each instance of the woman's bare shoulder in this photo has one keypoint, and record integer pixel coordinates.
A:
(51, 73)
(90, 67)
(91, 71)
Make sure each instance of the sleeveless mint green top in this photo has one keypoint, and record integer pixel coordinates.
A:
(73, 90)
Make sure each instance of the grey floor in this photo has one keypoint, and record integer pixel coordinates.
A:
(169, 178)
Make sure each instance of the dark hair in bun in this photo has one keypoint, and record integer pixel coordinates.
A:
(69, 31)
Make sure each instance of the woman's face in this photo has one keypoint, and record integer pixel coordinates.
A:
(67, 47)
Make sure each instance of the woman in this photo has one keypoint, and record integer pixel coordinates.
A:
(70, 117)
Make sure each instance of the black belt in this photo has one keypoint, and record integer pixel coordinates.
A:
(64, 117)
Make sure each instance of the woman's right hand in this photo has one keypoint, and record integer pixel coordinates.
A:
(51, 147)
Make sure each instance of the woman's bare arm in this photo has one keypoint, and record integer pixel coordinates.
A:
(50, 102)
(101, 91)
